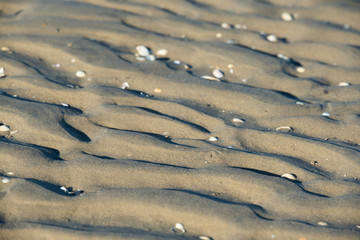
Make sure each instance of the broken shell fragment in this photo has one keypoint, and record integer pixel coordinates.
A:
(325, 114)
(238, 120)
(5, 180)
(218, 73)
(322, 223)
(143, 51)
(205, 238)
(70, 191)
(4, 128)
(178, 228)
(226, 25)
(300, 69)
(2, 72)
(158, 90)
(210, 78)
(287, 16)
(271, 38)
(213, 139)
(289, 176)
(344, 84)
(80, 73)
(162, 52)
(150, 58)
(125, 85)
(284, 129)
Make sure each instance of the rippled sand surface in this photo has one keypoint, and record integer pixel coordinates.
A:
(92, 158)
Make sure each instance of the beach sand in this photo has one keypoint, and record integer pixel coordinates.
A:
(100, 139)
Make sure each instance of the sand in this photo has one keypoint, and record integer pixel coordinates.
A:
(98, 142)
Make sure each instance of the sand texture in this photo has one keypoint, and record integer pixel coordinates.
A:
(99, 142)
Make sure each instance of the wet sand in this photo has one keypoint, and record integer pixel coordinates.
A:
(98, 142)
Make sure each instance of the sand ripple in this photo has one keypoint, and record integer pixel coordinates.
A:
(142, 154)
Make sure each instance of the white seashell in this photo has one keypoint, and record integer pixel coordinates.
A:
(210, 78)
(64, 189)
(178, 228)
(218, 35)
(287, 16)
(157, 90)
(143, 51)
(73, 60)
(344, 84)
(150, 58)
(358, 226)
(213, 139)
(5, 180)
(177, 62)
(289, 176)
(271, 38)
(13, 132)
(238, 120)
(225, 25)
(300, 69)
(218, 73)
(300, 103)
(162, 52)
(56, 65)
(65, 105)
(284, 129)
(325, 114)
(231, 71)
(237, 26)
(10, 173)
(322, 223)
(140, 58)
(80, 73)
(282, 56)
(125, 85)
(205, 238)
(4, 128)
(230, 65)
(2, 72)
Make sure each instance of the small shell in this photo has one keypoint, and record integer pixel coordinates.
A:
(300, 69)
(344, 84)
(162, 52)
(322, 223)
(5, 180)
(225, 25)
(178, 228)
(289, 176)
(300, 103)
(282, 56)
(284, 129)
(213, 139)
(64, 189)
(210, 78)
(125, 85)
(205, 238)
(218, 35)
(2, 72)
(218, 73)
(157, 90)
(325, 114)
(238, 120)
(177, 62)
(80, 73)
(358, 226)
(287, 16)
(65, 105)
(4, 128)
(10, 173)
(150, 58)
(143, 51)
(271, 38)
